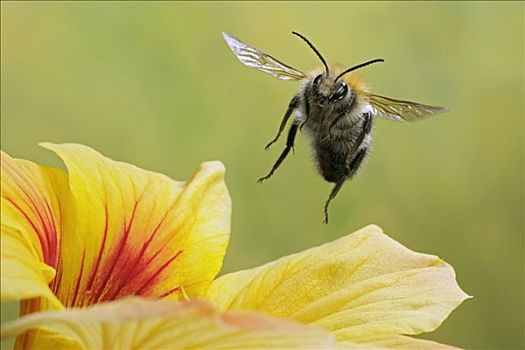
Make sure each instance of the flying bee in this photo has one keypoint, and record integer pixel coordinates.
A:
(335, 110)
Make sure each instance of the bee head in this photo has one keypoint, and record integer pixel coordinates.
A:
(330, 88)
(336, 86)
(327, 90)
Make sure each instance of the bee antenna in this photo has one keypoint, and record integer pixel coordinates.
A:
(359, 66)
(315, 50)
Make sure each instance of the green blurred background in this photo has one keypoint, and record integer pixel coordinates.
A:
(155, 85)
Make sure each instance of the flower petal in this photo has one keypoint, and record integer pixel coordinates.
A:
(30, 229)
(361, 285)
(135, 232)
(135, 323)
(395, 342)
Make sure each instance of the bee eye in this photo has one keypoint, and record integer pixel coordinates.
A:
(317, 79)
(341, 92)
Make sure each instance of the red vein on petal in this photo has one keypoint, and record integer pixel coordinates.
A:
(47, 219)
(134, 263)
(79, 281)
(54, 254)
(151, 258)
(150, 239)
(101, 296)
(58, 278)
(42, 238)
(50, 255)
(156, 274)
(171, 291)
(21, 178)
(96, 265)
(34, 208)
(21, 174)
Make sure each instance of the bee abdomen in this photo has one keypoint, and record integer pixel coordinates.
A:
(331, 164)
(335, 166)
(340, 155)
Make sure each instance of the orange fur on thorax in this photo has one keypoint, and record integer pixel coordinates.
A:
(355, 81)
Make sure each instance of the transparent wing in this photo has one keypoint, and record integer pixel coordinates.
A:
(400, 110)
(254, 58)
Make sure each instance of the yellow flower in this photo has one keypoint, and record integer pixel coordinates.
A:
(111, 230)
(106, 229)
(366, 288)
(162, 324)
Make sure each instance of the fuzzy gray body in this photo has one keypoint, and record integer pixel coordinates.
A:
(339, 135)
(338, 124)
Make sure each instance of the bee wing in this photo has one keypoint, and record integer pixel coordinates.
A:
(400, 110)
(254, 58)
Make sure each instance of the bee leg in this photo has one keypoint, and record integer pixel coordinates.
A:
(291, 107)
(355, 161)
(289, 145)
(307, 108)
(332, 195)
(352, 163)
(367, 127)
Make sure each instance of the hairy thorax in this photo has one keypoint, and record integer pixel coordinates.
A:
(335, 127)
